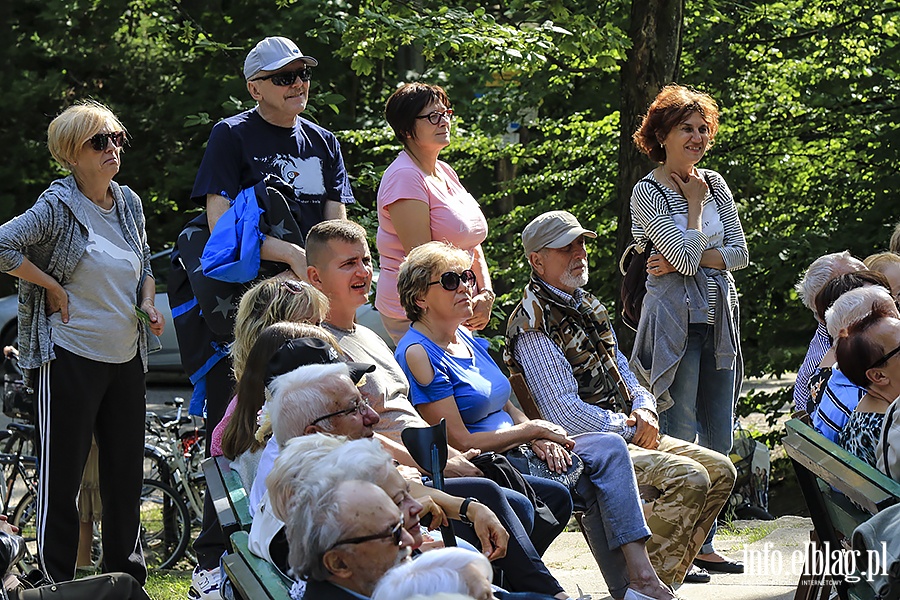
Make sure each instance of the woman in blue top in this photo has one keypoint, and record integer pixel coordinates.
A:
(452, 376)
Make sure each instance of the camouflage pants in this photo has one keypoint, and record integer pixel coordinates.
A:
(693, 485)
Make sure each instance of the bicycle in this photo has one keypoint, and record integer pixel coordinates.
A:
(165, 525)
(173, 454)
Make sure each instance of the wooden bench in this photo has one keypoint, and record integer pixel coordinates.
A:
(832, 480)
(253, 578)
(229, 497)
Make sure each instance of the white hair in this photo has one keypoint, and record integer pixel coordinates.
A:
(300, 397)
(821, 271)
(321, 457)
(439, 570)
(855, 305)
(442, 596)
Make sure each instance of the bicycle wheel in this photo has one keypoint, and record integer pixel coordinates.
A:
(25, 518)
(165, 525)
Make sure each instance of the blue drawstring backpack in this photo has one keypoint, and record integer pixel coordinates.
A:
(232, 253)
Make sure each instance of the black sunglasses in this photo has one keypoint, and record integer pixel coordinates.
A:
(435, 116)
(101, 141)
(396, 535)
(450, 280)
(885, 358)
(358, 407)
(286, 78)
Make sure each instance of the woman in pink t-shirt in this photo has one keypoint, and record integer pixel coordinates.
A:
(421, 199)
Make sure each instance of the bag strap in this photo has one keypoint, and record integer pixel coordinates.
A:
(885, 445)
(662, 192)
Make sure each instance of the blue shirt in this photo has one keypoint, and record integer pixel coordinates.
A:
(838, 403)
(479, 387)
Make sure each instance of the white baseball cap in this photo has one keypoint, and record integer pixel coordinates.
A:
(273, 53)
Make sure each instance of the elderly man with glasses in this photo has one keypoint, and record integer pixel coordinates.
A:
(344, 537)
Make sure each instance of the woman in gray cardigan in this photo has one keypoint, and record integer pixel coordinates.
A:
(86, 297)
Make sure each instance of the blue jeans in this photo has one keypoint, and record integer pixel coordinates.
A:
(612, 516)
(703, 395)
(704, 400)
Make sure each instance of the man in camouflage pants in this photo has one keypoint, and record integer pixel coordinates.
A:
(560, 338)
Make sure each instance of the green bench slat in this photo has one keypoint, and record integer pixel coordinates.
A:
(264, 575)
(862, 483)
(822, 465)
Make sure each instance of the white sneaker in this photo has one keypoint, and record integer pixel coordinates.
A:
(205, 584)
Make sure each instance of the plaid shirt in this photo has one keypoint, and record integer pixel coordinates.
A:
(555, 390)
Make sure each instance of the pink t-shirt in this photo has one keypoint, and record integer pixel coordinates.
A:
(215, 442)
(455, 218)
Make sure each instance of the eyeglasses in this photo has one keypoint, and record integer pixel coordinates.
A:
(294, 287)
(450, 280)
(101, 141)
(435, 117)
(358, 407)
(885, 358)
(286, 78)
(395, 534)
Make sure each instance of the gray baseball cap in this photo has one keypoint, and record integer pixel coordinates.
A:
(273, 53)
(554, 229)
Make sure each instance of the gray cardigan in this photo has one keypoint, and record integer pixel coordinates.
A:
(672, 302)
(53, 235)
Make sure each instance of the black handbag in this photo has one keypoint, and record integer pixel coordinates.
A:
(633, 266)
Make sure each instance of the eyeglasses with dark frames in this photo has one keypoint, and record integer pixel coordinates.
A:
(395, 534)
(435, 117)
(450, 281)
(881, 361)
(286, 78)
(100, 141)
(357, 408)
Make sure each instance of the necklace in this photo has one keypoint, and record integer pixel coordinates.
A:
(337, 329)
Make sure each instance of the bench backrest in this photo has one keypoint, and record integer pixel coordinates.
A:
(254, 577)
(229, 497)
(859, 481)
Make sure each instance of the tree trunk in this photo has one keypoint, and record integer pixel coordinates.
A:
(651, 63)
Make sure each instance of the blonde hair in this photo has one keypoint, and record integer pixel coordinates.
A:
(268, 302)
(878, 262)
(421, 266)
(69, 131)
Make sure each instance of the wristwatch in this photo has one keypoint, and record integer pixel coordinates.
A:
(463, 510)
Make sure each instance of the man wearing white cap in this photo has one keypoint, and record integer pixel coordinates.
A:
(273, 139)
(561, 339)
(268, 141)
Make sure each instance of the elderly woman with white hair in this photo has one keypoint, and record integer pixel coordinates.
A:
(319, 459)
(451, 570)
(820, 272)
(866, 349)
(836, 395)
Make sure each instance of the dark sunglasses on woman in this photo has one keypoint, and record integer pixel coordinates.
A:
(101, 141)
(450, 280)
(286, 78)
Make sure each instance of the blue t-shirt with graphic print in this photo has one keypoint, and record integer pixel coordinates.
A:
(477, 384)
(243, 149)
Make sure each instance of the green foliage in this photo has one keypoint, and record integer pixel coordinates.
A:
(808, 92)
